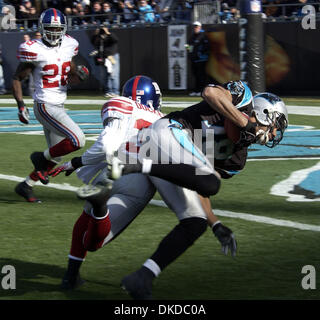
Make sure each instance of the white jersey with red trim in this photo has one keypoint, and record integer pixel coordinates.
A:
(52, 65)
(123, 119)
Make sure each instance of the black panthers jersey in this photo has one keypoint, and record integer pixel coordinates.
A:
(229, 158)
(201, 115)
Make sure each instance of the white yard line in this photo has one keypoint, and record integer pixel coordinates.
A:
(222, 213)
(259, 219)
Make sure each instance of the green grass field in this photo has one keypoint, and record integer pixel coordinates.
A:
(35, 238)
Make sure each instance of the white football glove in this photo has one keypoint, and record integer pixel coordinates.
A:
(24, 114)
(262, 137)
(115, 168)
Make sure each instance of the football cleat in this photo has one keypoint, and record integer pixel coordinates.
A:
(96, 195)
(40, 164)
(71, 282)
(25, 191)
(138, 284)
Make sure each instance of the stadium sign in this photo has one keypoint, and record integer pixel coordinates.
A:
(177, 57)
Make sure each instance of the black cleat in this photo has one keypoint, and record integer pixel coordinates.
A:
(139, 284)
(71, 282)
(25, 191)
(40, 164)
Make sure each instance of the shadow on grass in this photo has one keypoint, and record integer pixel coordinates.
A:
(34, 279)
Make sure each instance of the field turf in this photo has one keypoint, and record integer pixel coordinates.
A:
(35, 238)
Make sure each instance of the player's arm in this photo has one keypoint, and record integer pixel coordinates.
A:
(223, 233)
(23, 71)
(220, 100)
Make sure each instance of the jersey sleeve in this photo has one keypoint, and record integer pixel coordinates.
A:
(27, 52)
(75, 48)
(115, 134)
(240, 92)
(95, 154)
(72, 45)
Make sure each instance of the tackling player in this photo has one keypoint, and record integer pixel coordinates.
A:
(268, 119)
(229, 104)
(49, 59)
(103, 219)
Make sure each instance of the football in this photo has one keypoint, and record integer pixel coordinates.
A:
(232, 130)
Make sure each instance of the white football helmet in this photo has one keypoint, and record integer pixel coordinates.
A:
(269, 110)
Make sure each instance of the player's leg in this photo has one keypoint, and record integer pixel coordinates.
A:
(192, 224)
(168, 153)
(25, 188)
(128, 198)
(66, 135)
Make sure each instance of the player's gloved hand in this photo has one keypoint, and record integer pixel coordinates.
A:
(115, 167)
(82, 72)
(262, 136)
(226, 238)
(247, 134)
(65, 167)
(23, 113)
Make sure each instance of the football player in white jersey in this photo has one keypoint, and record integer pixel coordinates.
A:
(107, 214)
(49, 59)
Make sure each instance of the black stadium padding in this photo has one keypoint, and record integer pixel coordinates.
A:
(251, 45)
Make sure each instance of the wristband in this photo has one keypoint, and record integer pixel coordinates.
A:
(215, 225)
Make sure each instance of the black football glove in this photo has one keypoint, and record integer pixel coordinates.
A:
(226, 238)
(82, 72)
(23, 114)
(247, 134)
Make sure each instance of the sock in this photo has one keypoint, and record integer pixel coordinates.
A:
(98, 229)
(73, 268)
(80, 227)
(51, 165)
(60, 149)
(152, 266)
(31, 179)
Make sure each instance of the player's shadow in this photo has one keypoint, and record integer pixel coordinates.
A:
(28, 280)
